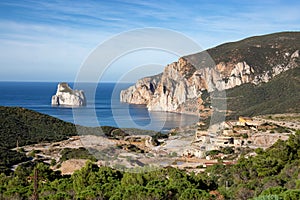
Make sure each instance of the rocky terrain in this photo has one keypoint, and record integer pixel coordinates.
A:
(185, 86)
(65, 96)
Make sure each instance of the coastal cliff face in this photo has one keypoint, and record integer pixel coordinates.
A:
(65, 96)
(183, 85)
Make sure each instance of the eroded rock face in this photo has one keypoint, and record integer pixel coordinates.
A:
(65, 96)
(182, 85)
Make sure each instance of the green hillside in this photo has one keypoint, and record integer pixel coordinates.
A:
(280, 95)
(30, 127)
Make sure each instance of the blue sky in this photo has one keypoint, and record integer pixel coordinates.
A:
(49, 40)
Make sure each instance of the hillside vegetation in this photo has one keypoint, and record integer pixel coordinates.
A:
(30, 127)
(260, 52)
(280, 95)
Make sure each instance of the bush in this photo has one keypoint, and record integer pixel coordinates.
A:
(228, 150)
(273, 191)
(191, 193)
(80, 153)
(291, 195)
(268, 197)
(212, 153)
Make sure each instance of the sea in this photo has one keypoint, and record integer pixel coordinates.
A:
(103, 106)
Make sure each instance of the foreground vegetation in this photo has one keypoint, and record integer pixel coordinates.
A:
(272, 174)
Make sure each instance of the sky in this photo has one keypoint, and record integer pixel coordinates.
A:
(50, 40)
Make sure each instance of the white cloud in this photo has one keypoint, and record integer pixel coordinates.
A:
(62, 33)
(37, 49)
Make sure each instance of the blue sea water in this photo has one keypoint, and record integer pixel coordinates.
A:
(103, 106)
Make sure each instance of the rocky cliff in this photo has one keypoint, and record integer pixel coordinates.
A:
(65, 96)
(184, 85)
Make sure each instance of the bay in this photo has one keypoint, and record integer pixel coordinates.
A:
(103, 106)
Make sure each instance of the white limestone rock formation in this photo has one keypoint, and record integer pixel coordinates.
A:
(66, 96)
(180, 87)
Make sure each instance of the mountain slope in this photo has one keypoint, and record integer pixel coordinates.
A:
(260, 52)
(280, 95)
(182, 85)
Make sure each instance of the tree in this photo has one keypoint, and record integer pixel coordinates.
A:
(132, 179)
(191, 193)
(84, 177)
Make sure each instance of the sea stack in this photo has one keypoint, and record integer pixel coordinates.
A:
(66, 96)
